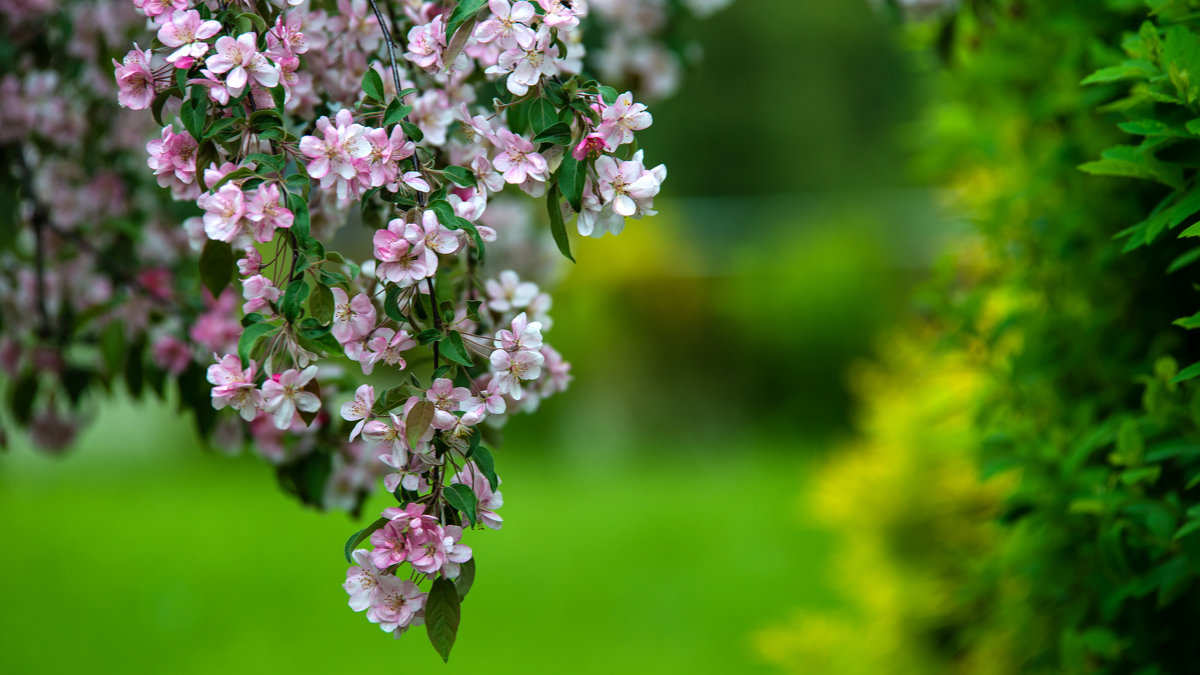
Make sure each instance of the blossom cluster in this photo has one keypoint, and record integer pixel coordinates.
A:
(269, 128)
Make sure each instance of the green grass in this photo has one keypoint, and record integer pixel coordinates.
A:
(140, 553)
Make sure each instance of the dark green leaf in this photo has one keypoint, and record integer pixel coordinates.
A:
(572, 174)
(1187, 373)
(216, 266)
(443, 611)
(293, 299)
(453, 349)
(608, 95)
(320, 306)
(1125, 71)
(463, 11)
(412, 131)
(465, 579)
(542, 115)
(462, 498)
(391, 304)
(361, 536)
(460, 175)
(372, 84)
(300, 222)
(396, 112)
(487, 465)
(250, 336)
(557, 227)
(557, 133)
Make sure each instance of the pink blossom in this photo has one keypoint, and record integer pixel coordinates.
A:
(592, 145)
(397, 604)
(434, 238)
(360, 408)
(159, 10)
(386, 345)
(491, 398)
(284, 40)
(352, 319)
(259, 292)
(508, 23)
(363, 581)
(383, 160)
(628, 186)
(621, 119)
(334, 151)
(171, 354)
(436, 549)
(558, 371)
(135, 83)
(225, 215)
(525, 334)
(526, 66)
(243, 63)
(284, 394)
(512, 367)
(403, 262)
(517, 159)
(446, 398)
(172, 158)
(186, 33)
(251, 263)
(426, 43)
(234, 387)
(267, 214)
(509, 292)
(563, 15)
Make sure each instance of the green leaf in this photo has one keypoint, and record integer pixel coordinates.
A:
(293, 299)
(542, 115)
(218, 125)
(1128, 70)
(487, 465)
(1130, 446)
(1184, 260)
(413, 132)
(1133, 162)
(396, 112)
(453, 349)
(557, 227)
(460, 175)
(463, 11)
(300, 220)
(372, 84)
(608, 95)
(236, 174)
(417, 422)
(465, 579)
(250, 336)
(320, 306)
(391, 304)
(557, 133)
(428, 335)
(259, 24)
(1147, 474)
(1187, 374)
(462, 498)
(1190, 527)
(216, 266)
(361, 536)
(572, 174)
(1152, 127)
(1189, 322)
(443, 611)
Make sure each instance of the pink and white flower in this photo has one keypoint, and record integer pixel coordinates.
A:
(186, 33)
(284, 394)
(242, 62)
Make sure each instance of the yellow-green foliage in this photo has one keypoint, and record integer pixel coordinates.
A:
(916, 520)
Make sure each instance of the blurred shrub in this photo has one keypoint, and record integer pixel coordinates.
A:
(1093, 564)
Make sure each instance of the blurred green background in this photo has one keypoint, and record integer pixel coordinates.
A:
(653, 515)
